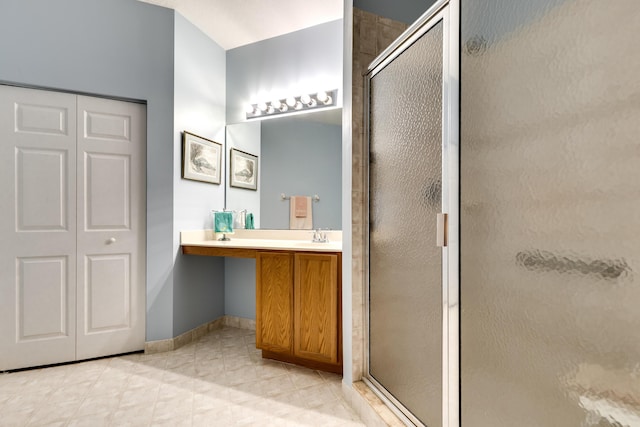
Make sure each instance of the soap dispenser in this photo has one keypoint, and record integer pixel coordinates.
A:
(241, 219)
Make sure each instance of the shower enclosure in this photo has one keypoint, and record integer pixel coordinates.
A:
(550, 213)
(544, 189)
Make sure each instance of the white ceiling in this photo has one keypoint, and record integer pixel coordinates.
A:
(233, 23)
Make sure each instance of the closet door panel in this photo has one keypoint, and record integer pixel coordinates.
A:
(37, 257)
(107, 192)
(42, 298)
(111, 226)
(42, 198)
(108, 292)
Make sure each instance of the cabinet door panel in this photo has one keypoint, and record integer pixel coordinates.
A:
(316, 307)
(274, 303)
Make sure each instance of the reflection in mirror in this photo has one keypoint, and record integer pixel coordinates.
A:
(244, 137)
(299, 155)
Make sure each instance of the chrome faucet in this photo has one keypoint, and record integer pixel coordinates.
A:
(320, 236)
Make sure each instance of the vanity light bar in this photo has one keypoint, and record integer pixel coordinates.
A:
(293, 104)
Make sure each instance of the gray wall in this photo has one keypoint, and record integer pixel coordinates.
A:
(117, 48)
(199, 108)
(240, 288)
(406, 11)
(301, 157)
(286, 65)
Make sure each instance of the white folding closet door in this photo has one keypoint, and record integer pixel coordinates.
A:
(72, 180)
(37, 230)
(111, 226)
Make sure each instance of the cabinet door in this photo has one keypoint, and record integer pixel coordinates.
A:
(274, 301)
(316, 307)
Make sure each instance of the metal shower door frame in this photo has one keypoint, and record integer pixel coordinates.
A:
(447, 11)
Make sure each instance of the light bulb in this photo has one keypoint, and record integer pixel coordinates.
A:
(262, 106)
(283, 108)
(276, 104)
(306, 99)
(322, 96)
(328, 101)
(298, 105)
(250, 109)
(291, 101)
(270, 109)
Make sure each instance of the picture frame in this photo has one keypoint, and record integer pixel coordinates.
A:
(243, 171)
(201, 158)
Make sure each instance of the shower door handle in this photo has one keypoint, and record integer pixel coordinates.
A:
(441, 229)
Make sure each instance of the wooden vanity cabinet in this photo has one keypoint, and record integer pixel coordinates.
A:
(298, 306)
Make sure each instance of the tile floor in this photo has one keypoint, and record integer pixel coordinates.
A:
(219, 380)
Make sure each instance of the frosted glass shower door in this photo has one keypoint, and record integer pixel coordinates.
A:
(405, 266)
(550, 213)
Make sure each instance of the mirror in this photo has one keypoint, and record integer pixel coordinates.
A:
(299, 155)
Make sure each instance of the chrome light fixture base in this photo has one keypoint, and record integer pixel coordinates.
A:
(293, 104)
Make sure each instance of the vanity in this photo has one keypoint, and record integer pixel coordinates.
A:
(297, 282)
(298, 291)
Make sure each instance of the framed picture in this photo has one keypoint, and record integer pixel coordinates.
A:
(244, 170)
(201, 158)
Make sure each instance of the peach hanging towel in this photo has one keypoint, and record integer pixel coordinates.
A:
(300, 213)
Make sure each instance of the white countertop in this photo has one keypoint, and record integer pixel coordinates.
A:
(295, 240)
